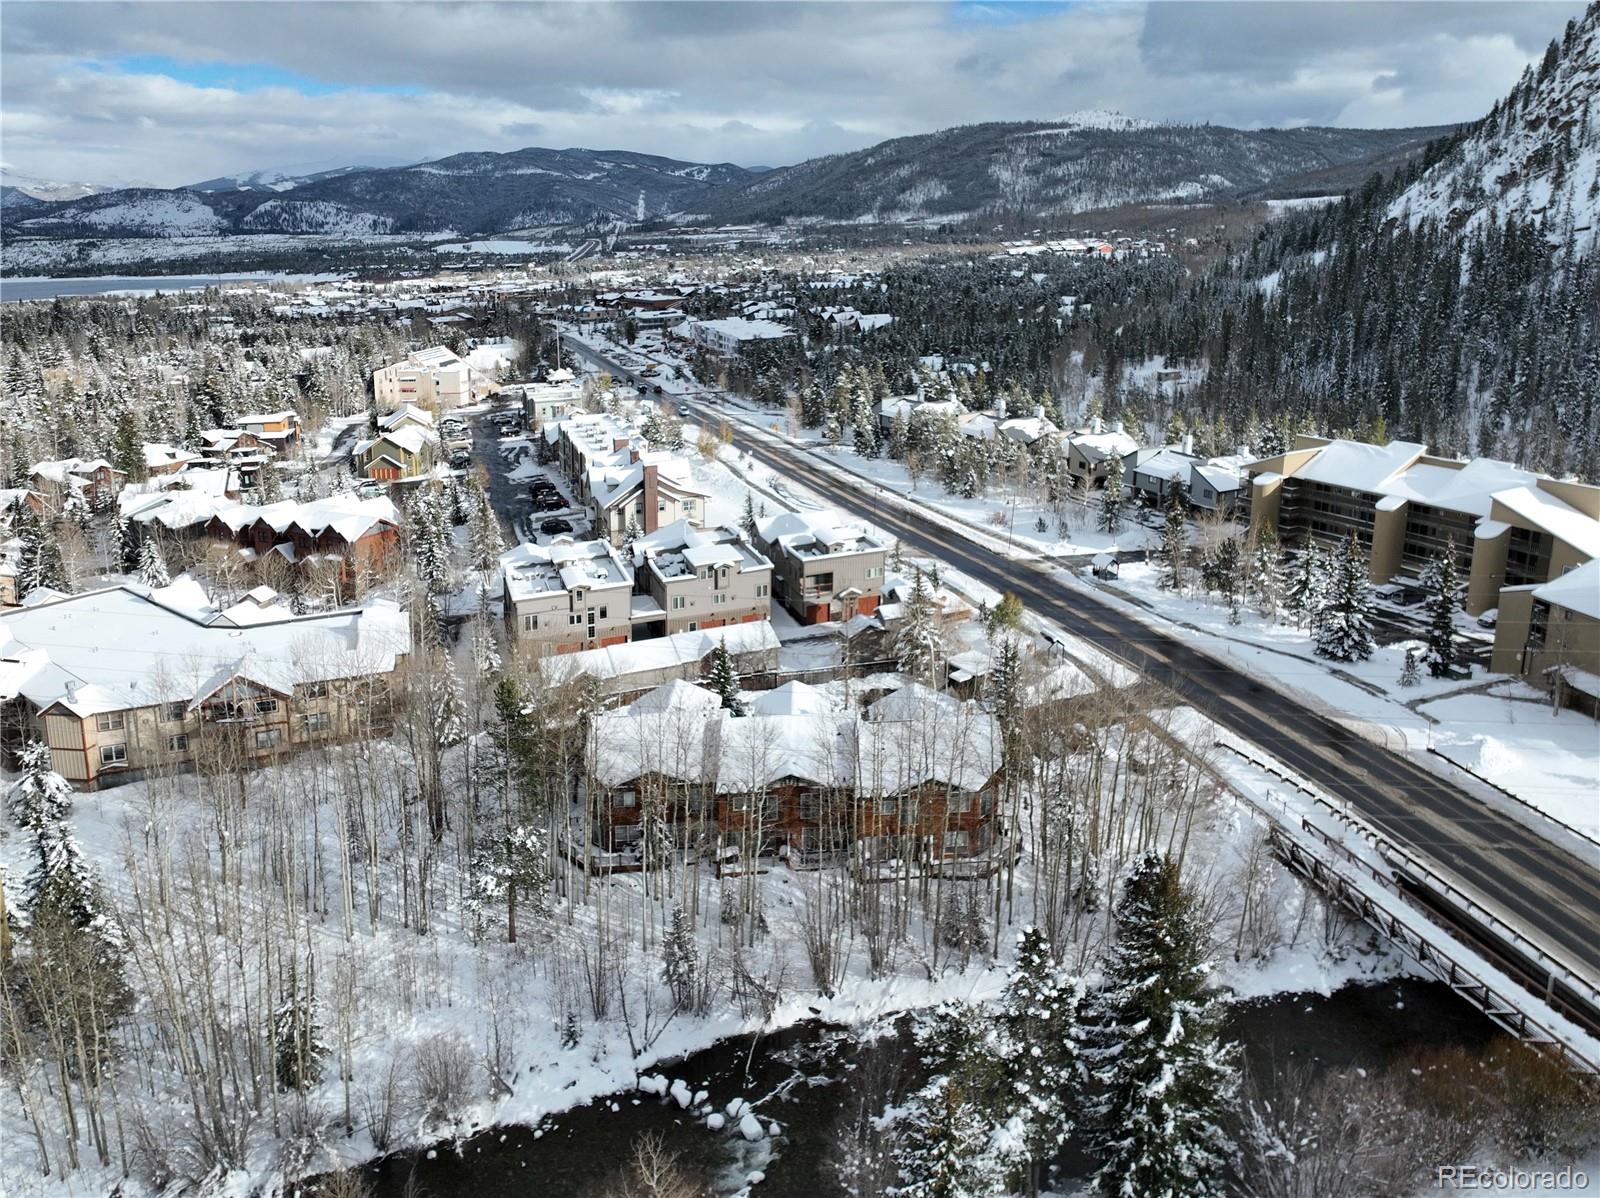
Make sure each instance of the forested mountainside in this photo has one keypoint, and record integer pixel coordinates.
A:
(1463, 314)
(1026, 169)
(468, 193)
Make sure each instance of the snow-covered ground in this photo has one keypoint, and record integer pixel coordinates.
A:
(1551, 762)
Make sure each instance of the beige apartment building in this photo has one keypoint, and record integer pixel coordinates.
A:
(688, 578)
(566, 597)
(123, 683)
(646, 495)
(824, 567)
(433, 378)
(1550, 634)
(1509, 527)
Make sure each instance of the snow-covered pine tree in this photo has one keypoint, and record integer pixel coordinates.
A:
(1343, 625)
(1110, 520)
(1411, 669)
(724, 679)
(1167, 1080)
(153, 570)
(1174, 548)
(899, 436)
(747, 520)
(864, 427)
(297, 1046)
(1039, 1039)
(39, 561)
(125, 547)
(680, 963)
(1266, 573)
(510, 868)
(1307, 585)
(919, 641)
(632, 532)
(484, 542)
(945, 1148)
(1441, 587)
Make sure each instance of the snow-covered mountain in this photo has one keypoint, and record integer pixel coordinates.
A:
(469, 193)
(1024, 169)
(1536, 155)
(273, 179)
(45, 190)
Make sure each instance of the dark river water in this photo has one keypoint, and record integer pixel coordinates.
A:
(808, 1080)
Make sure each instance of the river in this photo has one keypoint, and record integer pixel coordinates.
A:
(804, 1079)
(43, 288)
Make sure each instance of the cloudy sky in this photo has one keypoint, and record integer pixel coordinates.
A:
(174, 93)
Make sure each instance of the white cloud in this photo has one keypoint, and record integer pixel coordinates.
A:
(746, 82)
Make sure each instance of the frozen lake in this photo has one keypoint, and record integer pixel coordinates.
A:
(41, 288)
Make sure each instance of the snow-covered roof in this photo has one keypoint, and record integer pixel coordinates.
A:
(406, 414)
(912, 702)
(1561, 520)
(610, 485)
(1467, 489)
(435, 357)
(1219, 478)
(347, 515)
(1169, 464)
(1577, 590)
(662, 653)
(821, 533)
(792, 698)
(535, 570)
(158, 455)
(679, 549)
(1099, 446)
(738, 328)
(1357, 466)
(125, 647)
(410, 438)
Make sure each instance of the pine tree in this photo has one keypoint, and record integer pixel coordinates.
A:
(899, 436)
(1343, 625)
(724, 679)
(1266, 574)
(1441, 586)
(1111, 499)
(865, 428)
(298, 1048)
(484, 543)
(632, 532)
(1174, 548)
(1039, 1041)
(943, 1149)
(680, 963)
(1411, 670)
(125, 549)
(1167, 1080)
(747, 521)
(153, 571)
(39, 561)
(919, 642)
(1307, 586)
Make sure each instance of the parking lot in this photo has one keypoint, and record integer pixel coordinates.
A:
(533, 502)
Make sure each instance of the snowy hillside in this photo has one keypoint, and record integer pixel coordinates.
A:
(313, 216)
(137, 213)
(46, 189)
(1535, 156)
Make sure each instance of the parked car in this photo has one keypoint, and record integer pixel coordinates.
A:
(371, 489)
(554, 526)
(460, 460)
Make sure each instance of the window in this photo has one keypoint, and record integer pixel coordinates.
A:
(908, 811)
(761, 591)
(959, 802)
(694, 625)
(266, 706)
(888, 806)
(269, 738)
(574, 619)
(318, 721)
(314, 690)
(874, 571)
(108, 721)
(955, 842)
(178, 743)
(113, 754)
(530, 623)
(625, 798)
(174, 711)
(677, 603)
(602, 611)
(719, 598)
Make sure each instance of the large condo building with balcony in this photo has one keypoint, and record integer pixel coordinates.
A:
(825, 567)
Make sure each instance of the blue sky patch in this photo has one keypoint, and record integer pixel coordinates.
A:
(238, 76)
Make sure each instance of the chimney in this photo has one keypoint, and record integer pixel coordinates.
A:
(633, 455)
(618, 443)
(1188, 443)
(1116, 426)
(651, 516)
(1099, 425)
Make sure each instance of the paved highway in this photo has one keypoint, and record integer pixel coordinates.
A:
(1543, 890)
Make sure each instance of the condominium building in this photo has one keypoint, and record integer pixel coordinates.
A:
(697, 578)
(125, 682)
(825, 567)
(566, 597)
(1509, 527)
(434, 378)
